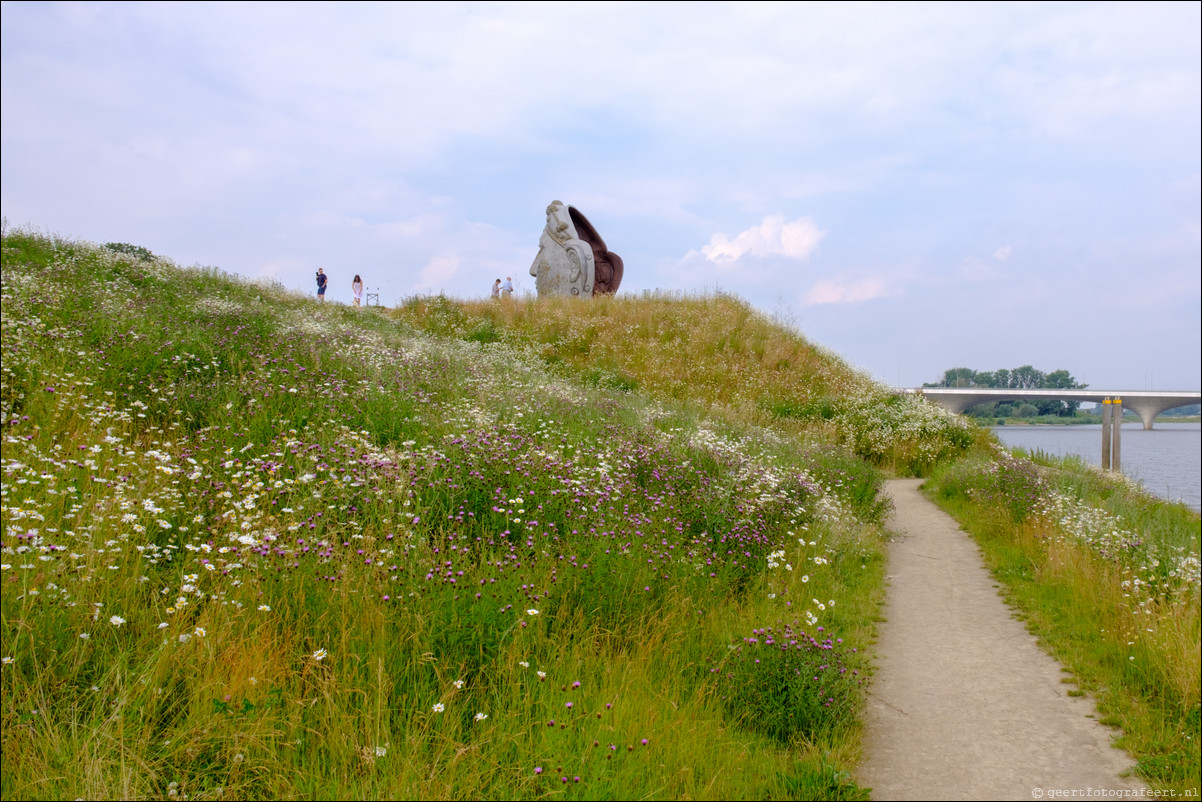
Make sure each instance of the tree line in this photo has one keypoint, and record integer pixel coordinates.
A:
(1020, 378)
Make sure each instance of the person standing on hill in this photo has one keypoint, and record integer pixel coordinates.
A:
(322, 280)
(496, 289)
(357, 290)
(507, 287)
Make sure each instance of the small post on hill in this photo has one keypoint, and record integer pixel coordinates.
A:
(1116, 462)
(1106, 434)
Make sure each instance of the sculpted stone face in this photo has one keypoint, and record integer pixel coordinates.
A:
(572, 258)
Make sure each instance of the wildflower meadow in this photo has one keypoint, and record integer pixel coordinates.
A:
(258, 547)
(253, 546)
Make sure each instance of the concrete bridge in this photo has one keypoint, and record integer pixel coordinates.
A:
(1145, 403)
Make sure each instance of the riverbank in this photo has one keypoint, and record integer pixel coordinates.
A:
(1166, 461)
(1106, 575)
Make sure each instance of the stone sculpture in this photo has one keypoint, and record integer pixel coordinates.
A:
(572, 258)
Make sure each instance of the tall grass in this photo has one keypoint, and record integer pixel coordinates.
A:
(256, 547)
(715, 353)
(1108, 577)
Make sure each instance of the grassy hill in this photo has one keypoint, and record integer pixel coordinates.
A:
(256, 546)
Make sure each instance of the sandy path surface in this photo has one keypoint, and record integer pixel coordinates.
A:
(964, 704)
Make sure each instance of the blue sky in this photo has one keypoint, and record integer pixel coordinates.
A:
(915, 186)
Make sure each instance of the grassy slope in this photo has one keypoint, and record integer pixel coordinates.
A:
(248, 482)
(255, 546)
(714, 354)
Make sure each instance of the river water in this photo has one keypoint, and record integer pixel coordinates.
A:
(1166, 460)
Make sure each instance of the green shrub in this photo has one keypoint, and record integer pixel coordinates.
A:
(136, 251)
(786, 684)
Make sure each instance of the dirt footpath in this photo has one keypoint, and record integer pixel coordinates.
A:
(964, 705)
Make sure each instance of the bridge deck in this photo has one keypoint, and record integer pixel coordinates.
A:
(1145, 403)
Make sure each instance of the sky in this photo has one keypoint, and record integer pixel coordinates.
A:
(914, 186)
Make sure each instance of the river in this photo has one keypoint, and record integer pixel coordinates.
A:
(1166, 460)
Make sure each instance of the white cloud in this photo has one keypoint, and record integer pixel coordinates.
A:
(437, 273)
(974, 269)
(773, 237)
(829, 291)
(417, 144)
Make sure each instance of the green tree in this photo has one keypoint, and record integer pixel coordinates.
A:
(956, 377)
(983, 379)
(1026, 378)
(1061, 380)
